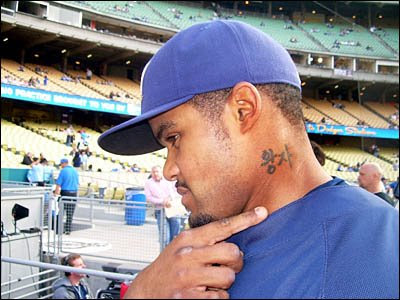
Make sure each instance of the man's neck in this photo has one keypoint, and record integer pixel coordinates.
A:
(288, 183)
(374, 189)
(74, 280)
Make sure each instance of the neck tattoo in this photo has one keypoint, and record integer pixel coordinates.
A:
(268, 157)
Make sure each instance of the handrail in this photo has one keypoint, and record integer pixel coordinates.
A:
(29, 285)
(26, 277)
(91, 272)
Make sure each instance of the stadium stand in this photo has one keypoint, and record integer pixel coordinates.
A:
(9, 159)
(312, 115)
(389, 35)
(53, 136)
(126, 85)
(336, 114)
(350, 156)
(133, 10)
(106, 88)
(363, 114)
(283, 31)
(98, 87)
(28, 77)
(182, 16)
(75, 86)
(347, 39)
(387, 110)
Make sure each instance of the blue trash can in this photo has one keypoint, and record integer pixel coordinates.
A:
(135, 215)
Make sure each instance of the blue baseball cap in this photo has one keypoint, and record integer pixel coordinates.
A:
(205, 57)
(63, 161)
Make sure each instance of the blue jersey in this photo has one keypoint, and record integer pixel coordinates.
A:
(68, 179)
(338, 241)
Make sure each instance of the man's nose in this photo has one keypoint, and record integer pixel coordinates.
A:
(171, 169)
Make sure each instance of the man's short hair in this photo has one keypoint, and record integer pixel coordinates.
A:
(67, 261)
(285, 96)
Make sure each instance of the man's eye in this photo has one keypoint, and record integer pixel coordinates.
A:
(172, 139)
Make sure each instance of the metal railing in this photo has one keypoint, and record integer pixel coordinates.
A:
(50, 269)
(125, 229)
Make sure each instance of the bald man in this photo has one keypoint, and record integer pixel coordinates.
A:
(369, 178)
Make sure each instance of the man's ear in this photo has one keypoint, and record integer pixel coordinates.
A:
(244, 105)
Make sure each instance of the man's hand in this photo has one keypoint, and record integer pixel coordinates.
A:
(167, 202)
(197, 263)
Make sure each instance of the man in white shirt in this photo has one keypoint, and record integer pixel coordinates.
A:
(160, 192)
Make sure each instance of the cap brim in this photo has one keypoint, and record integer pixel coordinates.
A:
(135, 136)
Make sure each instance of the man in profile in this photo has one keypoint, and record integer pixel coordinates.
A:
(72, 285)
(369, 178)
(225, 100)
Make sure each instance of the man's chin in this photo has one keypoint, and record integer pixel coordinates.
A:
(200, 220)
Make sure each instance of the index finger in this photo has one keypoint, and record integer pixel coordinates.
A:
(220, 230)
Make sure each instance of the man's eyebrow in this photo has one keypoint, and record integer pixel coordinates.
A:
(164, 126)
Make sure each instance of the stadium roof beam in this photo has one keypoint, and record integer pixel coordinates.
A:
(6, 27)
(328, 83)
(42, 40)
(82, 48)
(121, 55)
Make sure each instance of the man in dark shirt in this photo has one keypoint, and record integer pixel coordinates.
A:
(27, 160)
(369, 178)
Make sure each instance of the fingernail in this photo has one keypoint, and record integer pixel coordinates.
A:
(261, 211)
(186, 250)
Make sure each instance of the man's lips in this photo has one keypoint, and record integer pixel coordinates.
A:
(181, 190)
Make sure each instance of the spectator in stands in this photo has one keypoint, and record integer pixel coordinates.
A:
(45, 80)
(135, 168)
(65, 77)
(21, 68)
(37, 173)
(84, 160)
(394, 186)
(73, 285)
(386, 186)
(70, 133)
(375, 150)
(323, 120)
(67, 185)
(340, 168)
(77, 160)
(83, 139)
(73, 150)
(361, 122)
(89, 74)
(48, 172)
(27, 160)
(395, 165)
(160, 192)
(369, 178)
(32, 82)
(245, 127)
